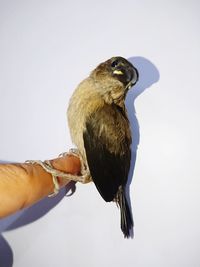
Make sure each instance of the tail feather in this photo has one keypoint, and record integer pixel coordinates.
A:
(126, 216)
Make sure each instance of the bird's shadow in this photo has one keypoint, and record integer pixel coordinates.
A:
(148, 75)
(25, 217)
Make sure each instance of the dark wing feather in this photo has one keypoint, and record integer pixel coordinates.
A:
(107, 145)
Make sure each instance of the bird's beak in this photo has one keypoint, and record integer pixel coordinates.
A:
(135, 76)
(134, 79)
(129, 85)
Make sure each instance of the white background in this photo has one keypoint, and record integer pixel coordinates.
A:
(46, 49)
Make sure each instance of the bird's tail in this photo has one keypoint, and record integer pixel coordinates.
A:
(126, 216)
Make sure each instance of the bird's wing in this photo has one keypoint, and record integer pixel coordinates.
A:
(107, 145)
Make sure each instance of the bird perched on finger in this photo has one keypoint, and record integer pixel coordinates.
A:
(99, 127)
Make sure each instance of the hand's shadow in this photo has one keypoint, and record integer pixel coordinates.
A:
(26, 216)
(148, 75)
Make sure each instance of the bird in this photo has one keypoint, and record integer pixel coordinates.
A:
(99, 127)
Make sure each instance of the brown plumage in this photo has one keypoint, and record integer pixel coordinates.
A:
(100, 129)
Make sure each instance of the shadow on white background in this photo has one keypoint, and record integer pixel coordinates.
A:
(148, 75)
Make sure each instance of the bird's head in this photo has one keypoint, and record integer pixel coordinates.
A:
(117, 68)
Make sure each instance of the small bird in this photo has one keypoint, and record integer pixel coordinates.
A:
(99, 127)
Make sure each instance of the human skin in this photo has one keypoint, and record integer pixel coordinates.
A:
(23, 184)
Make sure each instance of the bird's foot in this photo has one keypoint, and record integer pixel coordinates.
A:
(85, 176)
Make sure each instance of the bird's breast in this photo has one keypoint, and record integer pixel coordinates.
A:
(83, 104)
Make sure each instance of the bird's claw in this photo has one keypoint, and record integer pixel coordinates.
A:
(85, 176)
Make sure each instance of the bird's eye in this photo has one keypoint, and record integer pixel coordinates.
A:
(114, 63)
